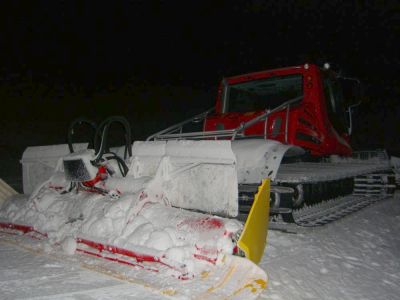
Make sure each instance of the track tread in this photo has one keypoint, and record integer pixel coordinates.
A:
(332, 210)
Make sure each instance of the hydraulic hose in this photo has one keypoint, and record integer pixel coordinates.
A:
(80, 121)
(101, 141)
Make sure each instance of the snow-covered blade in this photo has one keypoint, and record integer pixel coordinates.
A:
(183, 241)
(141, 234)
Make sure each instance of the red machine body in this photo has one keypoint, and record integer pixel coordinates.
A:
(318, 122)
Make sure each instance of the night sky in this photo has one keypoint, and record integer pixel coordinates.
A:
(63, 56)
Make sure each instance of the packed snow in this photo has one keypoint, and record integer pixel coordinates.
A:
(356, 257)
(30, 275)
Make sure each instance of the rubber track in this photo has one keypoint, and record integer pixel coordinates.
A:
(332, 210)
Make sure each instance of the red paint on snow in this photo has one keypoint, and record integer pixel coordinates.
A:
(205, 223)
(23, 228)
(140, 257)
(100, 247)
(206, 258)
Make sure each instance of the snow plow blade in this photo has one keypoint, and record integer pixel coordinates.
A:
(254, 235)
(134, 227)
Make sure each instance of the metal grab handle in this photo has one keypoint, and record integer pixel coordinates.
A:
(179, 126)
(267, 113)
(233, 133)
(287, 123)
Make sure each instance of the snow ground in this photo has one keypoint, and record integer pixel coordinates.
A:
(356, 257)
(27, 275)
(353, 258)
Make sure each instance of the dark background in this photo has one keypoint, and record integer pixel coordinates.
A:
(160, 62)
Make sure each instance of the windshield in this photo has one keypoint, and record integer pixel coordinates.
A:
(263, 93)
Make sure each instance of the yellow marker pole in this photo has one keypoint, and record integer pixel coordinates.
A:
(253, 239)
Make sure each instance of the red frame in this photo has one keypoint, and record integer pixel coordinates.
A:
(308, 126)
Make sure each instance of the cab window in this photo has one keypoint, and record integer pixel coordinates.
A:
(267, 93)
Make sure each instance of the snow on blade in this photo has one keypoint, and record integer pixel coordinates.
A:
(131, 223)
(197, 175)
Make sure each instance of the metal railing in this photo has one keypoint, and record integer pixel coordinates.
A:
(176, 131)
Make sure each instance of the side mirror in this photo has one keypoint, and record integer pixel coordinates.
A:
(353, 91)
(349, 111)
